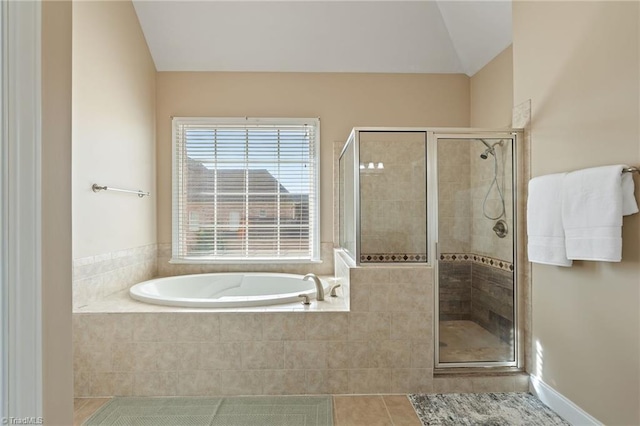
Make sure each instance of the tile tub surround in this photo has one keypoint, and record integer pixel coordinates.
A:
(384, 344)
(96, 277)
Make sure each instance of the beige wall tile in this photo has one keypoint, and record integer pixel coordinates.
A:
(81, 382)
(326, 326)
(93, 329)
(390, 353)
(234, 382)
(379, 297)
(282, 326)
(123, 356)
(123, 325)
(493, 384)
(409, 297)
(369, 326)
(284, 382)
(262, 355)
(421, 354)
(411, 325)
(411, 380)
(370, 380)
(326, 381)
(305, 354)
(197, 327)
(92, 358)
(155, 383)
(188, 356)
(235, 327)
(359, 354)
(369, 275)
(167, 356)
(359, 297)
(452, 385)
(220, 356)
(95, 277)
(198, 383)
(145, 356)
(338, 354)
(405, 274)
(155, 327)
(112, 384)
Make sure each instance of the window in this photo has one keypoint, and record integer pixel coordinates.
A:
(245, 189)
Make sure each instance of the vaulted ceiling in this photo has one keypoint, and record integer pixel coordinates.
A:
(395, 36)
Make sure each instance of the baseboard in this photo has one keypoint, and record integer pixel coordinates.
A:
(561, 404)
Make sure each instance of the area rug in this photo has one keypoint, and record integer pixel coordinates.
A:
(232, 411)
(490, 409)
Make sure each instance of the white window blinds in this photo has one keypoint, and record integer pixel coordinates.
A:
(245, 189)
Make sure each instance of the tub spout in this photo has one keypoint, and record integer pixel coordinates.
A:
(319, 288)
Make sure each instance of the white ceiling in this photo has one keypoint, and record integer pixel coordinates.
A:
(395, 36)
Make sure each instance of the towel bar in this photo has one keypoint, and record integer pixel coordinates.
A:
(95, 187)
(631, 170)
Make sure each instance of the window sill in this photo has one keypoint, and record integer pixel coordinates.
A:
(242, 261)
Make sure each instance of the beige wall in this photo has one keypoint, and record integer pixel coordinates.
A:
(491, 94)
(113, 129)
(578, 63)
(342, 101)
(56, 213)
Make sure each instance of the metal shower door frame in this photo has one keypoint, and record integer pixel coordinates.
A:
(516, 135)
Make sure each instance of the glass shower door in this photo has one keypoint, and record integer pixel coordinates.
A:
(476, 290)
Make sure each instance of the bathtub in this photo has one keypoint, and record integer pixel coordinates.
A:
(224, 290)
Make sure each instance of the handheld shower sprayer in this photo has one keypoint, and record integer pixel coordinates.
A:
(499, 230)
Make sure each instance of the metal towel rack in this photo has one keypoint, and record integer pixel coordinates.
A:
(95, 188)
(631, 170)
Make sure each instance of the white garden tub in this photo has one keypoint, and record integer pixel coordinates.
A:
(224, 290)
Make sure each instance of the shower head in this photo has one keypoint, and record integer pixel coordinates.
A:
(486, 153)
(490, 149)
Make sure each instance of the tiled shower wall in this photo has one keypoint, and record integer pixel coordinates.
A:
(95, 277)
(383, 345)
(479, 292)
(393, 199)
(463, 181)
(483, 240)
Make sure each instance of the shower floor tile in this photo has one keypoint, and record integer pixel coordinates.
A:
(466, 341)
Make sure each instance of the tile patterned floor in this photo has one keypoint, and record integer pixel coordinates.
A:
(464, 341)
(375, 410)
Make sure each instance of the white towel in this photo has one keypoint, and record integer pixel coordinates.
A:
(593, 203)
(544, 221)
(629, 204)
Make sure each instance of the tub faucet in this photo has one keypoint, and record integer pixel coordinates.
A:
(319, 288)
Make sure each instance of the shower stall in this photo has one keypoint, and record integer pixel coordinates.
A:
(443, 199)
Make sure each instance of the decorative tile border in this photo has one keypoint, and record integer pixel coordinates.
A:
(476, 258)
(393, 257)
